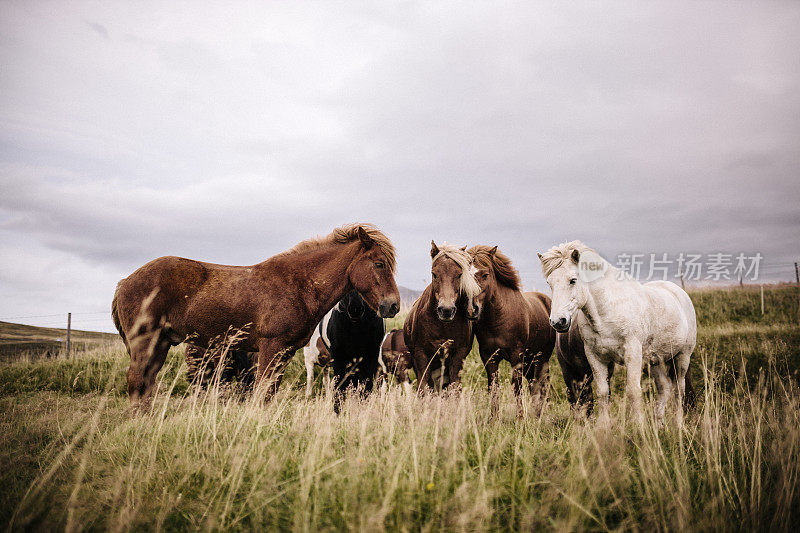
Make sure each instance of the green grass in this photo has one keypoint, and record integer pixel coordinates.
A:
(74, 457)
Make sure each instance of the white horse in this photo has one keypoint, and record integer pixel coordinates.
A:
(621, 321)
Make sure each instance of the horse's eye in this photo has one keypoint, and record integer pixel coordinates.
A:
(458, 277)
(434, 275)
(378, 264)
(485, 276)
(572, 281)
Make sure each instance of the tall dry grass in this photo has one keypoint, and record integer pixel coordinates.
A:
(211, 460)
(72, 456)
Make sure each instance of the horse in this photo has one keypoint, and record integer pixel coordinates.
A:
(513, 326)
(278, 302)
(203, 366)
(622, 321)
(355, 332)
(395, 358)
(317, 351)
(438, 329)
(578, 377)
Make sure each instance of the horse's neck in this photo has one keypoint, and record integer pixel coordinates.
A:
(602, 304)
(325, 271)
(499, 309)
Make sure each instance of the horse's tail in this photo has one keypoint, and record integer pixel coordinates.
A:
(115, 314)
(690, 395)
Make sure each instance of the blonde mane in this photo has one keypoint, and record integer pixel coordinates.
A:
(464, 260)
(555, 256)
(349, 233)
(499, 262)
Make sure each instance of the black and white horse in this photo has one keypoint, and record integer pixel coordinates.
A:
(352, 333)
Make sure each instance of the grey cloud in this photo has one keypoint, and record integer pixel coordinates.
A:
(229, 135)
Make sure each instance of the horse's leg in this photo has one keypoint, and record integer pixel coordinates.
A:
(491, 383)
(633, 381)
(421, 368)
(600, 370)
(308, 358)
(148, 353)
(681, 374)
(516, 383)
(273, 357)
(539, 381)
(454, 367)
(664, 386)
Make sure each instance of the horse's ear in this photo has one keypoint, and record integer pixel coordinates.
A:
(540, 255)
(463, 248)
(576, 256)
(365, 239)
(493, 251)
(434, 250)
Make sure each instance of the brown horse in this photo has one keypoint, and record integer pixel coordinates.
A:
(395, 359)
(513, 325)
(437, 330)
(278, 302)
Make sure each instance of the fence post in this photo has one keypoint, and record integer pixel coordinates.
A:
(69, 330)
(762, 299)
(797, 279)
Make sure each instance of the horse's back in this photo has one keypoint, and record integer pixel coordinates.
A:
(154, 285)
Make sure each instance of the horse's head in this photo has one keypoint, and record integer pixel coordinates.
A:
(372, 274)
(493, 268)
(453, 280)
(560, 266)
(354, 305)
(484, 274)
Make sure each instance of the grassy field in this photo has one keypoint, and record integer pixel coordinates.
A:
(74, 457)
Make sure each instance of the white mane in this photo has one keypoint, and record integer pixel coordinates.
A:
(553, 258)
(469, 285)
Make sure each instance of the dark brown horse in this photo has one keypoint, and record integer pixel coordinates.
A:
(513, 325)
(278, 302)
(395, 359)
(225, 364)
(438, 331)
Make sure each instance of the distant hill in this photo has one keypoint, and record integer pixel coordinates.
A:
(17, 339)
(408, 296)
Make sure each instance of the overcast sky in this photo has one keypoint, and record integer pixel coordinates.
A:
(130, 131)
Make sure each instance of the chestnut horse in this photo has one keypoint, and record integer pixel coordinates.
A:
(513, 325)
(395, 359)
(437, 330)
(278, 302)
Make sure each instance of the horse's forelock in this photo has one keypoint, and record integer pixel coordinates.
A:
(468, 283)
(553, 258)
(499, 262)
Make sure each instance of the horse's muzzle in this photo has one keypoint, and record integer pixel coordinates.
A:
(389, 309)
(561, 325)
(446, 314)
